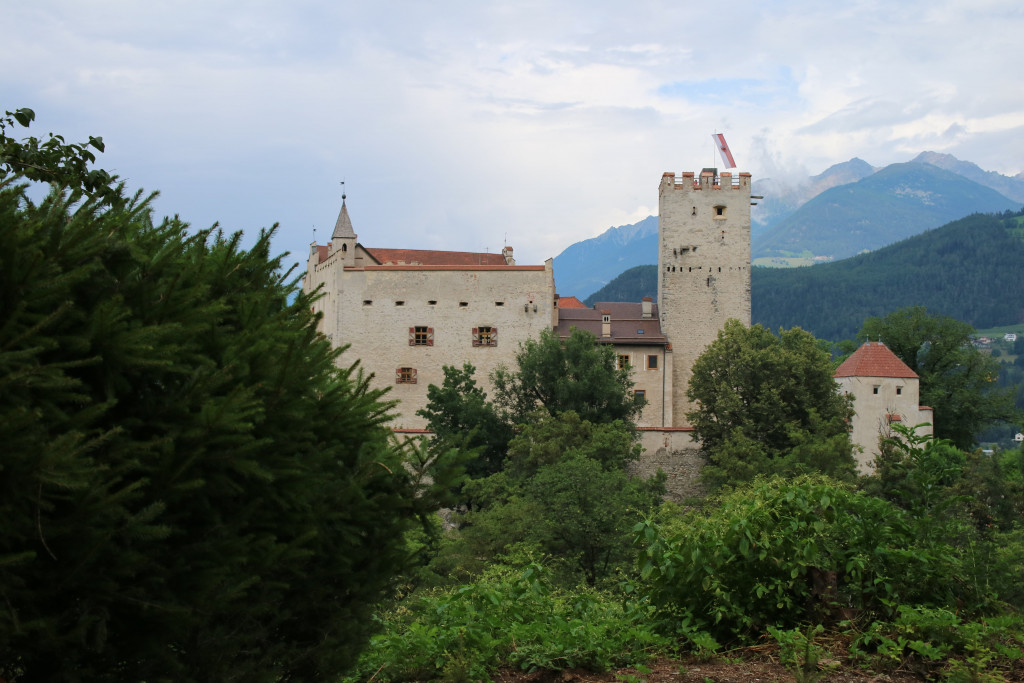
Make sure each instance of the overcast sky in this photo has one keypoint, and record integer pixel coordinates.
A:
(463, 125)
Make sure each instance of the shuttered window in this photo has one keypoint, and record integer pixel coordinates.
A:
(421, 336)
(405, 376)
(485, 336)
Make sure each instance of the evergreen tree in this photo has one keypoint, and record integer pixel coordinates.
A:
(190, 487)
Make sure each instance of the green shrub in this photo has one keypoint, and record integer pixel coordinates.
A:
(518, 620)
(778, 552)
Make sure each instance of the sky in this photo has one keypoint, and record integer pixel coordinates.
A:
(467, 125)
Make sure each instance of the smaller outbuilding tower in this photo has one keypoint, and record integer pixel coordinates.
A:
(885, 391)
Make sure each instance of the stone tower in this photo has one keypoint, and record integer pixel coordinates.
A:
(703, 267)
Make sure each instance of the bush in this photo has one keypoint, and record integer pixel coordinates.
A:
(779, 552)
(508, 618)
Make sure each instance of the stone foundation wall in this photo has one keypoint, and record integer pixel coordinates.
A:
(676, 453)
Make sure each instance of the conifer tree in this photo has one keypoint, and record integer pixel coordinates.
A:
(190, 486)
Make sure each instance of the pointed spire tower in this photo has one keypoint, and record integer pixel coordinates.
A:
(343, 238)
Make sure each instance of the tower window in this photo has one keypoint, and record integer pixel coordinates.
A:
(874, 390)
(719, 212)
(899, 390)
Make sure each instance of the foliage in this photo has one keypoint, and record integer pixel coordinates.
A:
(565, 493)
(956, 378)
(191, 489)
(767, 404)
(576, 374)
(54, 161)
(465, 633)
(779, 552)
(458, 410)
(938, 640)
(798, 651)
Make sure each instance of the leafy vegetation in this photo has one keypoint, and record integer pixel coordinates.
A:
(190, 489)
(767, 404)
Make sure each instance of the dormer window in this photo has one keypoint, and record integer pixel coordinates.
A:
(606, 318)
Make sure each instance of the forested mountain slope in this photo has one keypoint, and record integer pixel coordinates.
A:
(897, 202)
(970, 269)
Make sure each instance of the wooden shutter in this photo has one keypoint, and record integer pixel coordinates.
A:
(398, 375)
(412, 378)
(476, 336)
(494, 336)
(430, 336)
(412, 336)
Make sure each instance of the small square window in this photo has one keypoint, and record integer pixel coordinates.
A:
(641, 394)
(899, 391)
(623, 361)
(405, 376)
(652, 362)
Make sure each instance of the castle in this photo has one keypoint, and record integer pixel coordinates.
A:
(406, 313)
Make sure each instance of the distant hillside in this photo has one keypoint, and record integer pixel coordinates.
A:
(969, 269)
(1012, 187)
(587, 266)
(622, 288)
(899, 201)
(781, 199)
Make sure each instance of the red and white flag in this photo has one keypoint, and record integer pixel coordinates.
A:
(723, 149)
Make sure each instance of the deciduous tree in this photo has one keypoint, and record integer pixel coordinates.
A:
(768, 404)
(957, 380)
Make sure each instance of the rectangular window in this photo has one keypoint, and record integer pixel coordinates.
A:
(405, 376)
(652, 362)
(899, 391)
(421, 336)
(485, 336)
(874, 390)
(623, 361)
(641, 393)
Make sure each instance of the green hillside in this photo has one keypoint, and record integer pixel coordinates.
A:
(899, 201)
(970, 269)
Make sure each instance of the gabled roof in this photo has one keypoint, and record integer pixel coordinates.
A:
(628, 326)
(570, 302)
(874, 359)
(426, 257)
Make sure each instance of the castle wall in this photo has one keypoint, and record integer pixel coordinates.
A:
(656, 382)
(874, 412)
(703, 267)
(373, 308)
(674, 452)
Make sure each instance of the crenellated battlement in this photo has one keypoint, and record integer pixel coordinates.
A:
(707, 179)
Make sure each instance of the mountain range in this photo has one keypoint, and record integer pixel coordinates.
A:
(969, 269)
(849, 208)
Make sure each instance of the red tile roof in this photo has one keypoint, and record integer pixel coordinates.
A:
(426, 257)
(874, 359)
(570, 302)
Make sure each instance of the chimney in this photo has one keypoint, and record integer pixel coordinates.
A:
(606, 323)
(645, 306)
